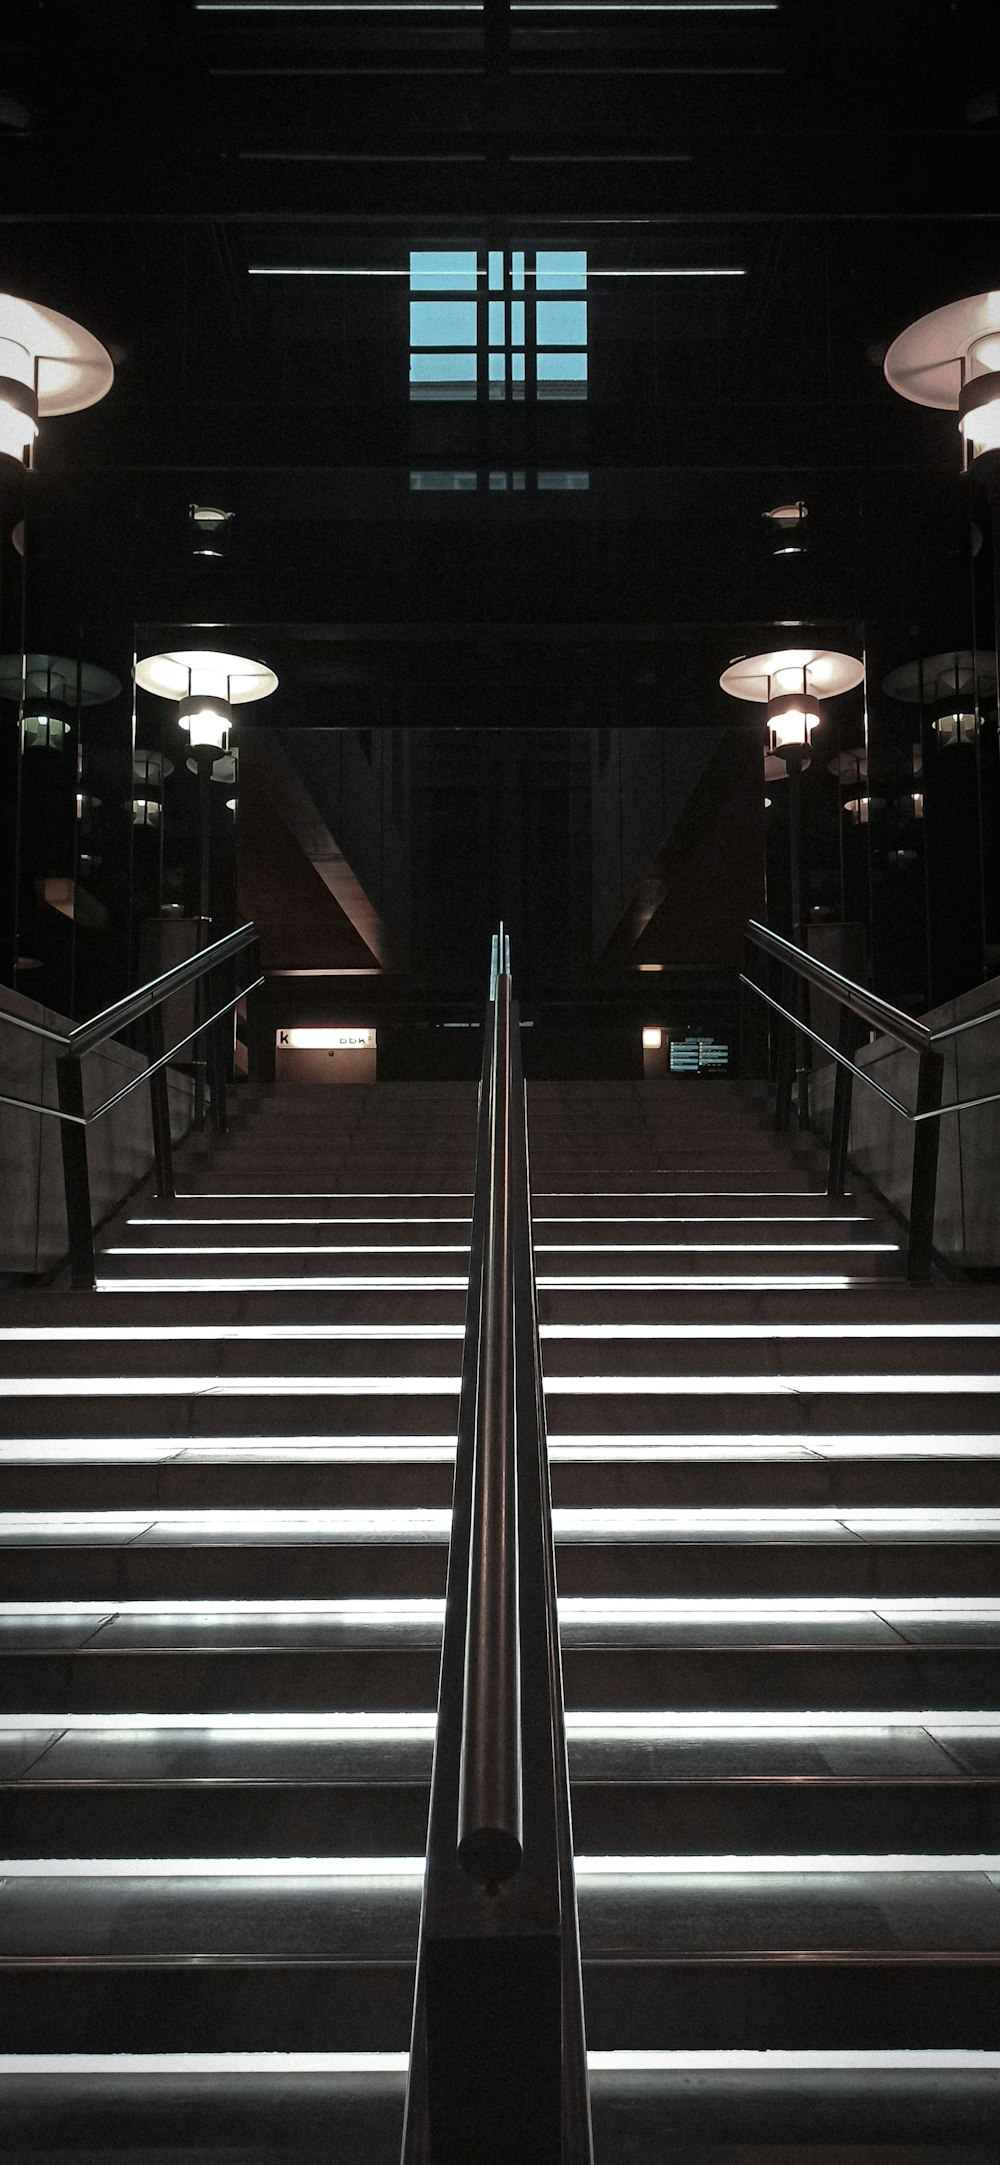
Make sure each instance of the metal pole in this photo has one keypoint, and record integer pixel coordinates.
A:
(76, 1172)
(840, 1126)
(159, 1098)
(204, 924)
(923, 1188)
(490, 1799)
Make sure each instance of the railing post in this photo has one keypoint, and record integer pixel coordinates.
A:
(260, 1031)
(76, 1172)
(159, 1106)
(840, 1125)
(923, 1188)
(785, 1062)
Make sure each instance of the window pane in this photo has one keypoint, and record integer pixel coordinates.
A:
(561, 270)
(442, 323)
(498, 323)
(496, 271)
(442, 270)
(442, 368)
(561, 323)
(517, 323)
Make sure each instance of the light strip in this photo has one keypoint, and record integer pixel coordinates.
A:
(215, 1386)
(572, 1524)
(702, 1865)
(635, 1247)
(208, 2065)
(127, 1333)
(336, 270)
(396, 1247)
(141, 1333)
(316, 1284)
(410, 1386)
(330, 1222)
(440, 1450)
(573, 1608)
(613, 1725)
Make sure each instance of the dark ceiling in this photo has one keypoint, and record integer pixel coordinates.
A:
(157, 153)
(424, 564)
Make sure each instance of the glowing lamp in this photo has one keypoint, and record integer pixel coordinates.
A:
(979, 412)
(951, 359)
(18, 410)
(652, 1039)
(955, 722)
(46, 725)
(206, 686)
(788, 530)
(791, 719)
(860, 809)
(207, 721)
(146, 811)
(48, 365)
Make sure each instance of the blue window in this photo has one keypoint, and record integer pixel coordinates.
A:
(515, 336)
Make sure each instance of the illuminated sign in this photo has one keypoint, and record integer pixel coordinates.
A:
(698, 1056)
(325, 1040)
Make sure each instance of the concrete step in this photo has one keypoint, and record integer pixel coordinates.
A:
(897, 2109)
(337, 1554)
(109, 1817)
(44, 1474)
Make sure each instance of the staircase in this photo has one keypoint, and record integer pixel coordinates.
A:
(224, 1517)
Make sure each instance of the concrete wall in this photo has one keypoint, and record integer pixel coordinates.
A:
(967, 1224)
(120, 1147)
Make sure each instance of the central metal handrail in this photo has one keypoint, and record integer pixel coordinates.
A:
(855, 1004)
(498, 2066)
(145, 1004)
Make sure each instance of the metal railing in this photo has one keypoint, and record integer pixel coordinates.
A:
(792, 972)
(201, 972)
(498, 2063)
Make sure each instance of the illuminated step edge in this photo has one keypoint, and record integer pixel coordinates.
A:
(394, 1247)
(434, 1524)
(566, 1248)
(137, 2065)
(573, 1608)
(611, 1725)
(681, 1385)
(701, 1866)
(440, 1450)
(318, 1282)
(217, 1333)
(814, 1217)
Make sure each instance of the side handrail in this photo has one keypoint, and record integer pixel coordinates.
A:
(498, 2053)
(145, 1004)
(854, 1005)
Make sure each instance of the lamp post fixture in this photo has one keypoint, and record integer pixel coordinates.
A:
(789, 683)
(206, 687)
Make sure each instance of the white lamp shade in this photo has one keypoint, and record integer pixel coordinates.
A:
(66, 366)
(146, 812)
(815, 670)
(186, 671)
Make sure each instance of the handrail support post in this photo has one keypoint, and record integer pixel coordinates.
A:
(840, 1125)
(76, 1172)
(926, 1148)
(159, 1100)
